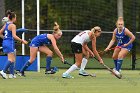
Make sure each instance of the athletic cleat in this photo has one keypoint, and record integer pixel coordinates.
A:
(12, 76)
(66, 75)
(83, 73)
(114, 69)
(118, 73)
(4, 76)
(51, 71)
(21, 74)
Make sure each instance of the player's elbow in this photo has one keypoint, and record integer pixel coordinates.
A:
(134, 37)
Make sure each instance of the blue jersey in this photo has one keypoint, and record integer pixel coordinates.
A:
(40, 40)
(7, 33)
(122, 39)
(8, 40)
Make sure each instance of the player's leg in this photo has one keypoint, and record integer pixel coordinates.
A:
(12, 67)
(121, 56)
(49, 55)
(115, 56)
(84, 63)
(78, 59)
(77, 50)
(11, 60)
(33, 52)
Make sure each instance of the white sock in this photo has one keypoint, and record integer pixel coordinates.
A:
(84, 63)
(71, 69)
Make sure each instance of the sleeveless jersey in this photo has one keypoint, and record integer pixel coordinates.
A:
(40, 40)
(82, 37)
(121, 37)
(8, 40)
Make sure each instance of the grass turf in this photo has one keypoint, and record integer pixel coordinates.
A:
(36, 82)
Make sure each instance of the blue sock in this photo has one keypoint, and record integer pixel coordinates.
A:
(26, 65)
(6, 66)
(48, 63)
(119, 64)
(115, 63)
(12, 68)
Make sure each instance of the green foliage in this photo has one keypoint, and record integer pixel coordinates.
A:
(74, 14)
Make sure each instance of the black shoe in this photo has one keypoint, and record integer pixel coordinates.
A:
(21, 74)
(51, 71)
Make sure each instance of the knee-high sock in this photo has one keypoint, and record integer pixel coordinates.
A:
(115, 63)
(48, 63)
(11, 68)
(26, 65)
(83, 64)
(119, 64)
(71, 69)
(6, 66)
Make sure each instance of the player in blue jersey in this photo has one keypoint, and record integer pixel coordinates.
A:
(125, 39)
(4, 20)
(8, 33)
(40, 43)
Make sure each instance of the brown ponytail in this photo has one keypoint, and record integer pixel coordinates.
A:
(8, 12)
(12, 15)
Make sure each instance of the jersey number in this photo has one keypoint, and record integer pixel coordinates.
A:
(120, 41)
(81, 33)
(6, 33)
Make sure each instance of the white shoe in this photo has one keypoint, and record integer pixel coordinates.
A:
(66, 75)
(114, 69)
(4, 76)
(117, 72)
(12, 76)
(83, 73)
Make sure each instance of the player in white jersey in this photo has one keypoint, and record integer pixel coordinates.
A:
(79, 47)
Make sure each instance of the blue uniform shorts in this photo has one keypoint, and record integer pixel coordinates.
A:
(129, 47)
(8, 46)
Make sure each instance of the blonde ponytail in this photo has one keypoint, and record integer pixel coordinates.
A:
(96, 28)
(56, 28)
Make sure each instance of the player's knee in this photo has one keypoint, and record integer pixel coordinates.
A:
(50, 53)
(11, 60)
(120, 56)
(114, 57)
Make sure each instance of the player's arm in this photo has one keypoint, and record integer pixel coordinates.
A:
(1, 32)
(95, 51)
(56, 49)
(128, 33)
(12, 27)
(87, 49)
(112, 41)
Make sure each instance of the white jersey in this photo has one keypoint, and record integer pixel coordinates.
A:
(82, 37)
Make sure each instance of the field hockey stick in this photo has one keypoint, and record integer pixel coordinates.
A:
(92, 75)
(102, 52)
(65, 62)
(109, 69)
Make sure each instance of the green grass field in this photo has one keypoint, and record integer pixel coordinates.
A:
(38, 82)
